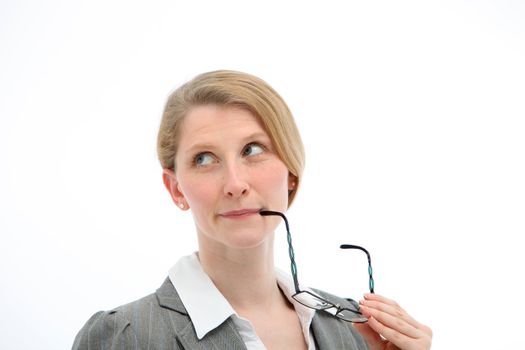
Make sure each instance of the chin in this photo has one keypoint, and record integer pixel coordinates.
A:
(241, 235)
(245, 239)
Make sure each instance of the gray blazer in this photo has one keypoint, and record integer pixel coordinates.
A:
(160, 321)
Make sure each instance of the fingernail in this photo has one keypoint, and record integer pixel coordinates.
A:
(364, 310)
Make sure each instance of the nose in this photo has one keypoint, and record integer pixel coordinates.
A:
(235, 184)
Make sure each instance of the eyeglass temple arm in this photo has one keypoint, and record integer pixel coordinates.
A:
(290, 247)
(370, 276)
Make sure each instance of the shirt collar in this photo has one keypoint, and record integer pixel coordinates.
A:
(305, 314)
(205, 304)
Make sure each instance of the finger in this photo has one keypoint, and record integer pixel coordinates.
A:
(391, 308)
(400, 340)
(398, 310)
(390, 321)
(378, 297)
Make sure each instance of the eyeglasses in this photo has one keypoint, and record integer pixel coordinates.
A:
(317, 302)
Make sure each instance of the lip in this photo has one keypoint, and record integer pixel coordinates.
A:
(241, 213)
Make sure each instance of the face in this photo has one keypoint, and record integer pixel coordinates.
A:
(226, 172)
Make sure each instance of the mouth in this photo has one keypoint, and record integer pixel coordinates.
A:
(240, 214)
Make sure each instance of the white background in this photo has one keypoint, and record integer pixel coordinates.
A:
(412, 115)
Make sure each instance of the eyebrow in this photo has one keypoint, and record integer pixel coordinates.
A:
(255, 135)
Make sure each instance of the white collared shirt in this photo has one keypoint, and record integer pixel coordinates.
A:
(208, 308)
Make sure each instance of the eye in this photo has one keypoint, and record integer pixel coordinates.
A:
(203, 159)
(252, 149)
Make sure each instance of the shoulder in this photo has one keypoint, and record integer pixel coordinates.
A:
(112, 328)
(105, 329)
(141, 324)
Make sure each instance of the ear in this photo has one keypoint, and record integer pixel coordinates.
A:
(292, 182)
(172, 185)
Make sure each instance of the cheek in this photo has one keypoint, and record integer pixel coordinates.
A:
(274, 180)
(199, 192)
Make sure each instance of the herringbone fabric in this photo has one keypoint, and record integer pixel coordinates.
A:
(159, 321)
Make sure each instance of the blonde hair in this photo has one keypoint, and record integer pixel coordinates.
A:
(236, 89)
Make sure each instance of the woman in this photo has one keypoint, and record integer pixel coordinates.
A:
(231, 152)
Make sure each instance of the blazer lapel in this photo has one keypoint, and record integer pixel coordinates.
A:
(169, 298)
(320, 329)
(225, 336)
(331, 333)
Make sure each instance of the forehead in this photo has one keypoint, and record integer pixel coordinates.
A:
(215, 123)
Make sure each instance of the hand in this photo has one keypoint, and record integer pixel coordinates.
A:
(389, 327)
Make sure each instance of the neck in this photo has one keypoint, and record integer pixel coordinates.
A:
(246, 277)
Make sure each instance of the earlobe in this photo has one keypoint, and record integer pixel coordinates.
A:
(292, 182)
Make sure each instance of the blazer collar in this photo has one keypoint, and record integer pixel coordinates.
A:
(169, 298)
(225, 336)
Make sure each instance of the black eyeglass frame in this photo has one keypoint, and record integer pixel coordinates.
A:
(337, 310)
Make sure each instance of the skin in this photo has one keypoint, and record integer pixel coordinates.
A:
(222, 178)
(398, 329)
(225, 162)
